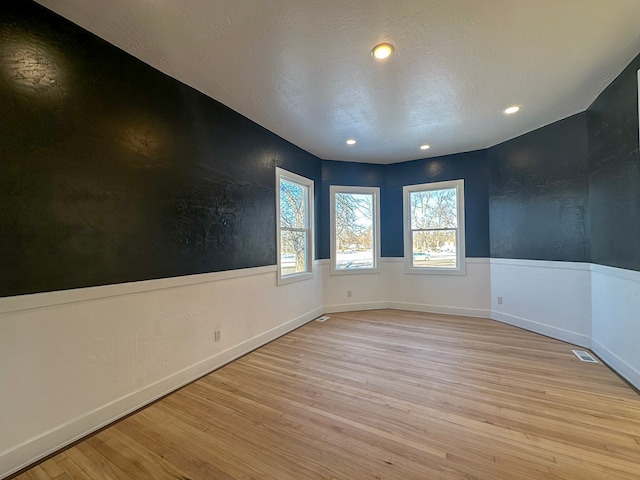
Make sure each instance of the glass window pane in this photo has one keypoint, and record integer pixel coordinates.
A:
(434, 209)
(434, 249)
(293, 205)
(293, 252)
(354, 218)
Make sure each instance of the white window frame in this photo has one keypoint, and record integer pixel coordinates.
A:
(375, 191)
(460, 237)
(282, 174)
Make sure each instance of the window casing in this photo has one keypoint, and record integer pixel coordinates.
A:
(434, 239)
(295, 226)
(355, 229)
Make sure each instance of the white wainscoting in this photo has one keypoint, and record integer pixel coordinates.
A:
(615, 297)
(391, 287)
(466, 295)
(368, 290)
(551, 298)
(73, 361)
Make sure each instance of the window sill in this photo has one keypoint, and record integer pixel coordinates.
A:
(355, 271)
(434, 271)
(295, 277)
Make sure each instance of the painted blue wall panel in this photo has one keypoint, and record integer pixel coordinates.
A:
(113, 172)
(539, 194)
(614, 173)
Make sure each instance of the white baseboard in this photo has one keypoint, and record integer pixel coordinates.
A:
(446, 310)
(544, 329)
(353, 307)
(411, 307)
(617, 364)
(49, 442)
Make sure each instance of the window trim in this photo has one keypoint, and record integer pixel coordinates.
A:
(375, 191)
(282, 174)
(460, 237)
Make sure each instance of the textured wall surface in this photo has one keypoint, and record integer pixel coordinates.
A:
(614, 173)
(472, 167)
(113, 172)
(538, 194)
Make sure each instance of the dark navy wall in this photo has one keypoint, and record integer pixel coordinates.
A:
(113, 172)
(538, 194)
(614, 173)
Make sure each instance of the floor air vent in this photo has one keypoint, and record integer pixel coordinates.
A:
(584, 356)
(323, 318)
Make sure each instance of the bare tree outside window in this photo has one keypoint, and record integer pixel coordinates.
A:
(354, 236)
(433, 226)
(294, 227)
(355, 233)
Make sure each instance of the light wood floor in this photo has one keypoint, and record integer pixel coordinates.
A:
(381, 395)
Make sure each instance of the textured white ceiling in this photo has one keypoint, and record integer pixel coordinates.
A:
(302, 68)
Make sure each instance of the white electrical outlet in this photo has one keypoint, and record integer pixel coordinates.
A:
(216, 336)
(499, 300)
(349, 293)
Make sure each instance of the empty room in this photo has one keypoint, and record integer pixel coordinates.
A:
(291, 240)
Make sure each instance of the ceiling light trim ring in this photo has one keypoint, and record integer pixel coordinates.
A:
(382, 51)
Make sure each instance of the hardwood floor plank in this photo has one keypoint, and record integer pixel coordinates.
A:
(190, 450)
(75, 472)
(36, 473)
(87, 464)
(88, 455)
(380, 394)
(52, 469)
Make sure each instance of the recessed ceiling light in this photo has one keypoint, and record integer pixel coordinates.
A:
(512, 110)
(382, 51)
(351, 141)
(425, 147)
